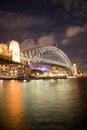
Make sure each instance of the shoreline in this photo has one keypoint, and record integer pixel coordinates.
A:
(32, 77)
(36, 78)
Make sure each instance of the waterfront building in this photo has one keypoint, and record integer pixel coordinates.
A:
(14, 71)
(10, 66)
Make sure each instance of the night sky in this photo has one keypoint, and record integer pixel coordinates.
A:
(41, 22)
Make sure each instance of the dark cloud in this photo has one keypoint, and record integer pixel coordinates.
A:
(18, 21)
(79, 7)
(65, 3)
(21, 27)
(73, 31)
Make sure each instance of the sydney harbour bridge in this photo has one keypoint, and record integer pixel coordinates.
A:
(44, 54)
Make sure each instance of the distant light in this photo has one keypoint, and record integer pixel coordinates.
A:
(41, 67)
(12, 80)
(1, 80)
(44, 69)
(24, 80)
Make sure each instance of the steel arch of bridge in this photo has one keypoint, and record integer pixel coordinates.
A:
(46, 54)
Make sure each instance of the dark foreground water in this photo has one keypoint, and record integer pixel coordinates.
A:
(43, 104)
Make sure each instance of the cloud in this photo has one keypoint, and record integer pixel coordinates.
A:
(28, 43)
(46, 40)
(79, 8)
(65, 3)
(9, 20)
(71, 32)
(20, 26)
(42, 41)
(81, 51)
(65, 41)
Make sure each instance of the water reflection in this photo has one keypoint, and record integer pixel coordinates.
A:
(12, 103)
(14, 98)
(43, 104)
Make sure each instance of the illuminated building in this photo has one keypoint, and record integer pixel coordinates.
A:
(15, 49)
(74, 69)
(14, 71)
(9, 67)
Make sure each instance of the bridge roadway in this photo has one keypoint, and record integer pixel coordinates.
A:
(46, 54)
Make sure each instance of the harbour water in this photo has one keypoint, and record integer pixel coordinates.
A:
(59, 104)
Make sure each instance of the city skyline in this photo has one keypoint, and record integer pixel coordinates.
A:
(36, 23)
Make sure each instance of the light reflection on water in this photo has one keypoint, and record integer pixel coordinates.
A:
(43, 104)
